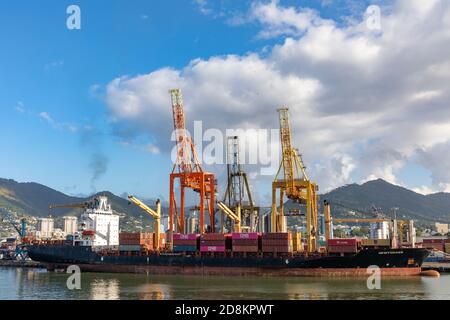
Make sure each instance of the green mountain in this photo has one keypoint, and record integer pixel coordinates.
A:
(361, 199)
(33, 199)
(351, 200)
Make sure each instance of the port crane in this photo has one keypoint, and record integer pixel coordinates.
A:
(295, 185)
(21, 250)
(190, 174)
(156, 215)
(238, 194)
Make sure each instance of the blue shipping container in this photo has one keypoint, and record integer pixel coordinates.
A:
(184, 248)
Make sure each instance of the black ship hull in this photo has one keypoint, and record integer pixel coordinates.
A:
(392, 262)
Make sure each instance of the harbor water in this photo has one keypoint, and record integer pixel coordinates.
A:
(29, 283)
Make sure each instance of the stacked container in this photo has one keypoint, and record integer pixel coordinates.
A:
(342, 246)
(185, 242)
(212, 242)
(278, 242)
(245, 242)
(297, 242)
(437, 244)
(135, 241)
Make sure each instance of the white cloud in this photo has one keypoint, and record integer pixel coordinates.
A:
(361, 103)
(20, 107)
(202, 6)
(57, 125)
(53, 65)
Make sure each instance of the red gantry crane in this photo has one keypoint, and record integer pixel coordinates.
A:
(189, 174)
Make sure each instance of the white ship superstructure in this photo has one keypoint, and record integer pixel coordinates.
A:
(98, 226)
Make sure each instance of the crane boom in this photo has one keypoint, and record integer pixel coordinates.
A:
(155, 214)
(185, 147)
(70, 205)
(144, 207)
(236, 217)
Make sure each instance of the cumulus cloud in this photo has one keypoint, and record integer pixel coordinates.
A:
(362, 103)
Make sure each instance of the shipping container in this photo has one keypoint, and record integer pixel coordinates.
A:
(245, 248)
(278, 249)
(342, 242)
(277, 235)
(212, 248)
(249, 235)
(130, 248)
(425, 240)
(342, 249)
(177, 248)
(213, 236)
(190, 236)
(248, 242)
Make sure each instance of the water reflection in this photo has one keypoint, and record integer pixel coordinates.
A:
(153, 292)
(102, 289)
(39, 284)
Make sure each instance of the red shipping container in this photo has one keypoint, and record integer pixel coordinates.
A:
(341, 242)
(275, 242)
(242, 242)
(250, 235)
(213, 236)
(185, 242)
(245, 248)
(277, 235)
(343, 249)
(433, 240)
(281, 249)
(212, 249)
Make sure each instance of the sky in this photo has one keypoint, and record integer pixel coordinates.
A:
(85, 110)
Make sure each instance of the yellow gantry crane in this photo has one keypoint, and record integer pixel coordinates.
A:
(155, 214)
(295, 185)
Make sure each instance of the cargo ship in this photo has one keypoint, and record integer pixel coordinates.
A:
(97, 248)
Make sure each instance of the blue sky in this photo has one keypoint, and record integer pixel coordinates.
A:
(56, 123)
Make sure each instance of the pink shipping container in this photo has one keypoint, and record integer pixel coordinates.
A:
(179, 236)
(250, 235)
(212, 248)
(342, 242)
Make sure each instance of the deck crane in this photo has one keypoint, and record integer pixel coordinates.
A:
(189, 174)
(238, 193)
(295, 185)
(233, 215)
(155, 214)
